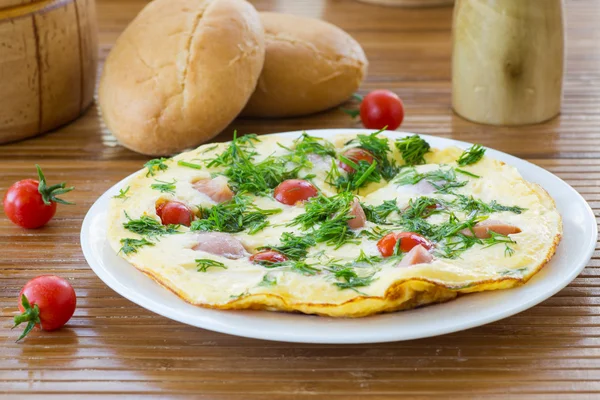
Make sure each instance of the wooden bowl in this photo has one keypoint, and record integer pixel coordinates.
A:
(411, 3)
(48, 62)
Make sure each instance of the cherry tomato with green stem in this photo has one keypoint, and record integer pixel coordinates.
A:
(47, 302)
(32, 204)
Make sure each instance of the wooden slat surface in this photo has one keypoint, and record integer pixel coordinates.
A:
(115, 347)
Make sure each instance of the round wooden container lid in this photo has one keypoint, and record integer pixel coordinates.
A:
(15, 3)
(410, 3)
(48, 62)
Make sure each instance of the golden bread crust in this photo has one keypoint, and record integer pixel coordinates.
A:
(310, 66)
(180, 73)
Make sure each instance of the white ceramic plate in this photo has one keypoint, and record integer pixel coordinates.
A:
(575, 250)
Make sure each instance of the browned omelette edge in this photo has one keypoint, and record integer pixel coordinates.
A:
(401, 295)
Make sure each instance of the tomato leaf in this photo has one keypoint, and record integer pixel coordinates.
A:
(50, 193)
(31, 315)
(352, 113)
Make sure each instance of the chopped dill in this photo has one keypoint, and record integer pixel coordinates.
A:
(363, 173)
(298, 266)
(129, 245)
(472, 155)
(518, 271)
(304, 269)
(189, 164)
(122, 193)
(363, 258)
(268, 280)
(148, 226)
(443, 180)
(374, 233)
(203, 264)
(233, 216)
(320, 208)
(413, 149)
(380, 149)
(156, 165)
(164, 187)
(349, 279)
(327, 217)
(379, 214)
(306, 145)
(462, 171)
(469, 204)
(246, 174)
(292, 246)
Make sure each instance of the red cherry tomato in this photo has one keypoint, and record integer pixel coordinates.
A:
(381, 108)
(293, 191)
(174, 213)
(31, 204)
(270, 256)
(47, 301)
(355, 155)
(408, 240)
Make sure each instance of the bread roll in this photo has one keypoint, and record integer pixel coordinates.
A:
(310, 66)
(180, 73)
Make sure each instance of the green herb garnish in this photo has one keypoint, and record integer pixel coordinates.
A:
(292, 246)
(156, 165)
(443, 180)
(469, 204)
(233, 216)
(122, 193)
(327, 217)
(147, 226)
(320, 208)
(459, 242)
(189, 164)
(164, 187)
(462, 171)
(203, 264)
(472, 155)
(363, 173)
(268, 280)
(380, 149)
(412, 149)
(306, 145)
(132, 245)
(249, 176)
(379, 214)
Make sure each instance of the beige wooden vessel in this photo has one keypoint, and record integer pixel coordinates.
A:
(410, 3)
(48, 62)
(507, 64)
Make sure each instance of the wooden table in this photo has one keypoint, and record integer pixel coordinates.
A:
(113, 346)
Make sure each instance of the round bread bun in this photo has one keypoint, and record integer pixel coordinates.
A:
(310, 66)
(180, 73)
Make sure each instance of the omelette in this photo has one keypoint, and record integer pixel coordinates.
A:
(350, 226)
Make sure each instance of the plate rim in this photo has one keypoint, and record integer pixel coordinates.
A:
(520, 306)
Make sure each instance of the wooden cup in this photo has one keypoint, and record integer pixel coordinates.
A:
(507, 60)
(48, 62)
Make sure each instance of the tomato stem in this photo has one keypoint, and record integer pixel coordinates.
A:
(30, 315)
(49, 193)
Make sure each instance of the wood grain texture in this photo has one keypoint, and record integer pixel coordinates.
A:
(48, 62)
(516, 76)
(112, 346)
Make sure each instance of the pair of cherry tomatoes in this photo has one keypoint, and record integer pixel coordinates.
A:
(46, 302)
(381, 109)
